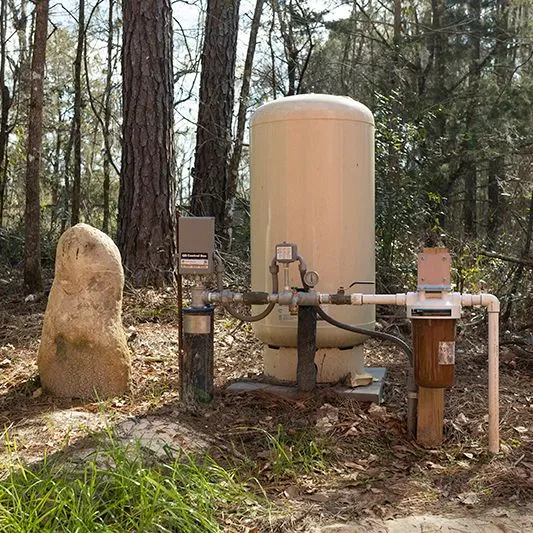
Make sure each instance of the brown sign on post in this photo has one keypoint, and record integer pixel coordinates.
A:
(434, 265)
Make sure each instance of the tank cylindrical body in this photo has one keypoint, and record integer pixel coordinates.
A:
(434, 347)
(312, 184)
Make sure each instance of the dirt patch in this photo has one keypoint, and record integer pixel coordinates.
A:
(494, 521)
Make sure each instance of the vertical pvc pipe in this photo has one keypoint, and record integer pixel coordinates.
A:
(493, 307)
(494, 350)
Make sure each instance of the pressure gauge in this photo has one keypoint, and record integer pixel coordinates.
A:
(311, 278)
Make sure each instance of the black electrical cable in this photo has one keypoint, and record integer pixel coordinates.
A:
(370, 332)
(412, 388)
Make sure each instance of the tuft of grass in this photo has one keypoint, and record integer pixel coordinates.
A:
(121, 489)
(295, 453)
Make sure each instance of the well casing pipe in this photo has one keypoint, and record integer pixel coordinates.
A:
(198, 352)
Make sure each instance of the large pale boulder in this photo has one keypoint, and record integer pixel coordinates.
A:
(83, 351)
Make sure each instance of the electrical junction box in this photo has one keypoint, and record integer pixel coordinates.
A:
(196, 245)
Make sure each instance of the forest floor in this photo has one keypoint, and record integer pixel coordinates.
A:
(321, 460)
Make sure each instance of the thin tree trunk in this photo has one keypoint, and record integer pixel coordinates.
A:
(32, 249)
(6, 104)
(233, 172)
(215, 113)
(504, 68)
(66, 190)
(519, 272)
(289, 46)
(470, 198)
(107, 117)
(76, 182)
(470, 145)
(495, 174)
(273, 76)
(56, 200)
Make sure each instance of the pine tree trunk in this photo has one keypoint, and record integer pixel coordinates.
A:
(32, 249)
(213, 137)
(107, 118)
(146, 220)
(76, 182)
(233, 173)
(5, 106)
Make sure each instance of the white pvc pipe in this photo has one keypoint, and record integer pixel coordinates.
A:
(493, 306)
(378, 299)
(468, 300)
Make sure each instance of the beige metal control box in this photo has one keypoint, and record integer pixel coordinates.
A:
(196, 245)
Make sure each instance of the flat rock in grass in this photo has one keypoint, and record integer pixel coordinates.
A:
(83, 351)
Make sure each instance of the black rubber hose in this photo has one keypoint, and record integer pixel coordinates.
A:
(255, 318)
(370, 332)
(246, 318)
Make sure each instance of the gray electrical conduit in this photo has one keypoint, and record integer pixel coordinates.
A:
(412, 396)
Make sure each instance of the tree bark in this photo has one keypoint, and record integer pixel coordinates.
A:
(233, 173)
(213, 135)
(32, 249)
(146, 220)
(107, 117)
(519, 272)
(470, 147)
(495, 174)
(76, 181)
(5, 106)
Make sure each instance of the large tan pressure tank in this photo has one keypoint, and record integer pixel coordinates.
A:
(312, 184)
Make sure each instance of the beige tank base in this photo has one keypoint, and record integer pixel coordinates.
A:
(333, 365)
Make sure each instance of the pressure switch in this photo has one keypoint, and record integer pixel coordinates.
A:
(286, 252)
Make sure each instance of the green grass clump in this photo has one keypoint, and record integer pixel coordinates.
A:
(122, 490)
(295, 454)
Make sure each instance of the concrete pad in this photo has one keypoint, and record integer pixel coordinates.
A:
(368, 393)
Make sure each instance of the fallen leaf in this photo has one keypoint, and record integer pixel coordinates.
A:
(292, 492)
(461, 419)
(468, 498)
(434, 466)
(376, 411)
